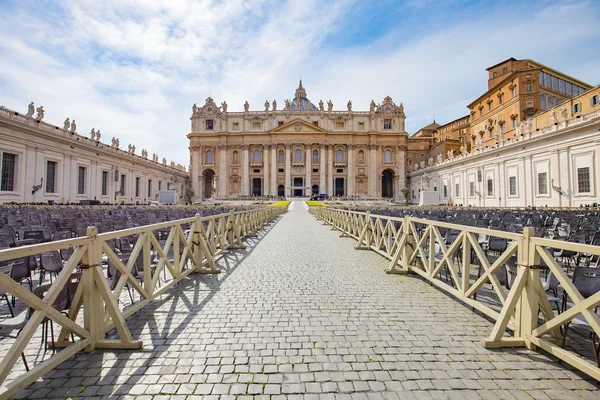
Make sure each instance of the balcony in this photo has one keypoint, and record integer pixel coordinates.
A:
(339, 164)
(298, 164)
(209, 164)
(256, 164)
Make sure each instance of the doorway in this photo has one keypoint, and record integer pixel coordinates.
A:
(387, 183)
(298, 187)
(256, 187)
(209, 183)
(280, 191)
(338, 187)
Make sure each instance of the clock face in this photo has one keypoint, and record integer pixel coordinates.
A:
(387, 108)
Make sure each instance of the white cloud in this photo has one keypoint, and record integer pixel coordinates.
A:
(134, 68)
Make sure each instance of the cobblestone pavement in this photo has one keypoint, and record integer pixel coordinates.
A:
(300, 313)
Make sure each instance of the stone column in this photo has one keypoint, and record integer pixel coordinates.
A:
(330, 170)
(322, 174)
(223, 171)
(195, 168)
(373, 171)
(245, 172)
(288, 169)
(265, 155)
(401, 181)
(308, 169)
(350, 189)
(274, 169)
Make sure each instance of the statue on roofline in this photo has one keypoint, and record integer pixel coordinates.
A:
(329, 106)
(67, 124)
(224, 105)
(40, 113)
(30, 110)
(321, 107)
(73, 126)
(267, 105)
(246, 106)
(274, 105)
(372, 108)
(349, 105)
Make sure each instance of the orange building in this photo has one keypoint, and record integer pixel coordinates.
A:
(517, 90)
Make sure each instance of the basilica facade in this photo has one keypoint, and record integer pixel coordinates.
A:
(299, 150)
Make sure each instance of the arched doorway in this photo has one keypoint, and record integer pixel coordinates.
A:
(387, 183)
(280, 191)
(209, 183)
(315, 189)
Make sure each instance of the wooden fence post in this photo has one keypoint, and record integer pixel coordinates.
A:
(529, 300)
(93, 308)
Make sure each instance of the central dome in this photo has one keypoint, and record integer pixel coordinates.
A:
(300, 101)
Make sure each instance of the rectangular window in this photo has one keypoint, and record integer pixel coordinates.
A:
(236, 126)
(543, 183)
(504, 70)
(387, 124)
(512, 185)
(530, 104)
(576, 108)
(490, 106)
(481, 112)
(209, 124)
(159, 185)
(490, 187)
(315, 170)
(9, 168)
(137, 186)
(445, 191)
(279, 123)
(514, 122)
(316, 123)
(104, 183)
(457, 190)
(562, 86)
(554, 83)
(529, 87)
(361, 126)
(595, 100)
(499, 99)
(583, 180)
(339, 124)
(569, 88)
(513, 91)
(256, 125)
(122, 185)
(472, 189)
(81, 180)
(547, 80)
(149, 188)
(51, 176)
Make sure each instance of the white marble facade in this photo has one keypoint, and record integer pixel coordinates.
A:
(41, 162)
(555, 166)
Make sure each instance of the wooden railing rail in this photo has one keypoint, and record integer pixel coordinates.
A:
(523, 315)
(150, 260)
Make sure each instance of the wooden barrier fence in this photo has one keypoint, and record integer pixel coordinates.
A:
(458, 263)
(148, 269)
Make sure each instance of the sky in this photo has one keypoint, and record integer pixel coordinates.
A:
(133, 68)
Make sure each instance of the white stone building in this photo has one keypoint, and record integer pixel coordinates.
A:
(553, 161)
(44, 163)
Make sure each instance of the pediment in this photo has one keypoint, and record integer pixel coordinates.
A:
(298, 126)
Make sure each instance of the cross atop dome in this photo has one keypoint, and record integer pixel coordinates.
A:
(300, 92)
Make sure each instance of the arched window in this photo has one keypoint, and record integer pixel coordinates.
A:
(298, 155)
(256, 156)
(550, 101)
(361, 157)
(315, 158)
(235, 157)
(388, 157)
(339, 156)
(209, 156)
(281, 157)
